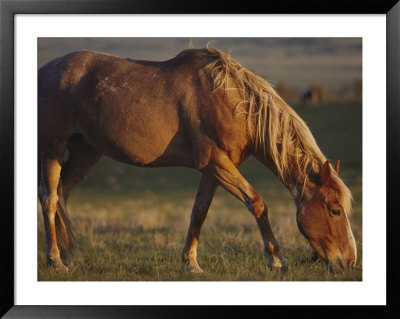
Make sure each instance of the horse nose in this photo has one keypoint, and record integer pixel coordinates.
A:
(338, 264)
(350, 258)
(335, 265)
(352, 265)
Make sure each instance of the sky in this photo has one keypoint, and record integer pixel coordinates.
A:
(330, 62)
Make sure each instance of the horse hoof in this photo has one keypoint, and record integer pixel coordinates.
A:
(280, 269)
(63, 269)
(283, 269)
(196, 271)
(279, 265)
(193, 269)
(60, 268)
(58, 265)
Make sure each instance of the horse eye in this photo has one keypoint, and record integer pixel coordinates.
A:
(334, 211)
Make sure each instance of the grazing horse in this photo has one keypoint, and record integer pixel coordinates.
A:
(200, 109)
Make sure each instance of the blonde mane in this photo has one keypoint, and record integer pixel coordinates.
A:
(274, 126)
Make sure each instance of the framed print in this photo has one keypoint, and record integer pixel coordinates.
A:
(337, 78)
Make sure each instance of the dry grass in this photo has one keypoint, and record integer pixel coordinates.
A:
(142, 238)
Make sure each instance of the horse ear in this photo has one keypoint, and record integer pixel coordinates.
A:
(326, 173)
(337, 166)
(191, 46)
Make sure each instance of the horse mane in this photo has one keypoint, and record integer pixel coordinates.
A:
(274, 126)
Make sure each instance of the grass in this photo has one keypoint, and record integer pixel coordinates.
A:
(131, 222)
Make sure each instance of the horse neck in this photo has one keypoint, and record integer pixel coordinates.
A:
(297, 182)
(300, 184)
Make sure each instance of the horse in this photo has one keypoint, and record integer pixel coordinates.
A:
(312, 95)
(202, 110)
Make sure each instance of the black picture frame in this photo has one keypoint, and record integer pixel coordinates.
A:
(8, 10)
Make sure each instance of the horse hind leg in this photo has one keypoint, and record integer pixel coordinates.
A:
(57, 181)
(51, 160)
(205, 193)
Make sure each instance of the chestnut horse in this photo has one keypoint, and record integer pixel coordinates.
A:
(200, 109)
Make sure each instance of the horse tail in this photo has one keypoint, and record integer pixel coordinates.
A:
(64, 230)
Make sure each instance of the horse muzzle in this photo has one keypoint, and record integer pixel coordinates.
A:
(337, 264)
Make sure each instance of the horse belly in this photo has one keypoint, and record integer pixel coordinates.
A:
(142, 136)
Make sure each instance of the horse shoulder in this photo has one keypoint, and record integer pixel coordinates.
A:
(214, 124)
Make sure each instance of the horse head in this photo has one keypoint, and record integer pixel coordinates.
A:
(322, 219)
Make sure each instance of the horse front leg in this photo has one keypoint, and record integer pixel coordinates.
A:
(230, 178)
(271, 246)
(205, 193)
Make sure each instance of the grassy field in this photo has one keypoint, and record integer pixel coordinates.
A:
(131, 222)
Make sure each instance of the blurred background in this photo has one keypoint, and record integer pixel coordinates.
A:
(128, 219)
(293, 65)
